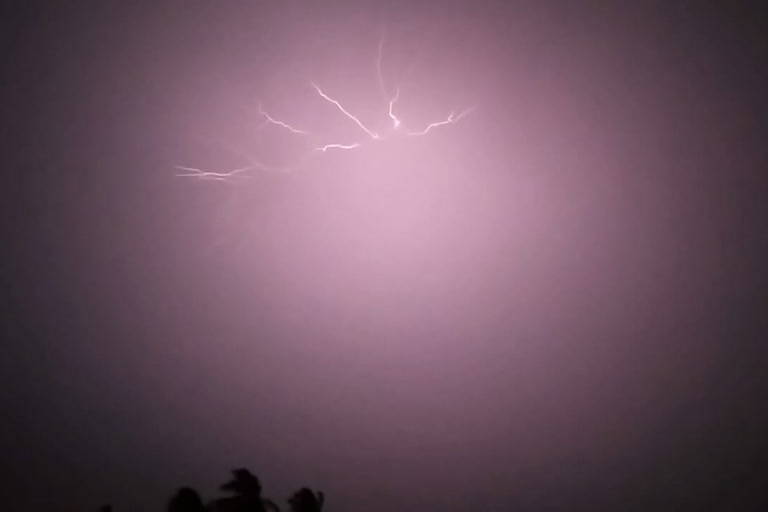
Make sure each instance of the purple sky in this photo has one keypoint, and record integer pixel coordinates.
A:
(550, 304)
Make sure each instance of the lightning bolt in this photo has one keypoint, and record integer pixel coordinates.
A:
(255, 165)
(243, 172)
(337, 146)
(382, 88)
(395, 120)
(216, 176)
(371, 134)
(452, 118)
(271, 120)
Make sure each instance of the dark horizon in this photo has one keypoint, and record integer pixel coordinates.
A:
(555, 303)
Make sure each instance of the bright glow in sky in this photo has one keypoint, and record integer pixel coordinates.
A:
(355, 280)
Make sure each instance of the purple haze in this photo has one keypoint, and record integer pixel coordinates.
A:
(517, 309)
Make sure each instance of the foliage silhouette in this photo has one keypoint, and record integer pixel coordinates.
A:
(305, 500)
(186, 500)
(248, 498)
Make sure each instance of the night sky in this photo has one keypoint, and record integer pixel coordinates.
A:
(554, 303)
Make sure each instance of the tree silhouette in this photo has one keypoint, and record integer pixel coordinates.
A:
(305, 500)
(186, 500)
(247, 489)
